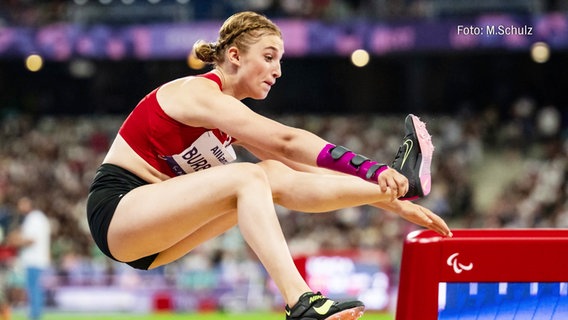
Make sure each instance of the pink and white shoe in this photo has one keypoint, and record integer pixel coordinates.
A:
(414, 158)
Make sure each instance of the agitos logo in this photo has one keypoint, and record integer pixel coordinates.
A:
(458, 267)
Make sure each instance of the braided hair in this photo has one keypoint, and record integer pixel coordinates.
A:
(241, 30)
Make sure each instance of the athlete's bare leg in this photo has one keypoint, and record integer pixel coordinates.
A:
(310, 192)
(181, 212)
(315, 192)
(209, 231)
(175, 216)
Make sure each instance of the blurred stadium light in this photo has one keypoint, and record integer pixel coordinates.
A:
(498, 118)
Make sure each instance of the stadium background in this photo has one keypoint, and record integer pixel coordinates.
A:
(498, 120)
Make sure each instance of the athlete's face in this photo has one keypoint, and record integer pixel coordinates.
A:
(260, 66)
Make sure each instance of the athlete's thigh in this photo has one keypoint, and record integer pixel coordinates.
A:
(153, 217)
(211, 230)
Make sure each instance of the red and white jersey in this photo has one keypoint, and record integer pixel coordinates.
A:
(171, 147)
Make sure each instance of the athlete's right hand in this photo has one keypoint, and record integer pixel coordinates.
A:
(393, 182)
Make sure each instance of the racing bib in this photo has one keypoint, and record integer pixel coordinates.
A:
(205, 152)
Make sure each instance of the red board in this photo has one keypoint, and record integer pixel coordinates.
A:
(508, 255)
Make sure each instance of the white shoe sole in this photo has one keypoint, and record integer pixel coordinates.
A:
(427, 150)
(349, 314)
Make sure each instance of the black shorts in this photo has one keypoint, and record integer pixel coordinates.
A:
(111, 183)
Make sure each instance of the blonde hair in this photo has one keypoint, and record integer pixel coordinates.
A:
(242, 30)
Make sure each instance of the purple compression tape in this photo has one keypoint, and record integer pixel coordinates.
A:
(341, 159)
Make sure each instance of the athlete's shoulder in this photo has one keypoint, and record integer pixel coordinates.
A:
(186, 87)
(192, 84)
(213, 77)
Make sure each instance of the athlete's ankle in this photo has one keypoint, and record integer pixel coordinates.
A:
(293, 299)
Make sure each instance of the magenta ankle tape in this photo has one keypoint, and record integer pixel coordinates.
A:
(341, 159)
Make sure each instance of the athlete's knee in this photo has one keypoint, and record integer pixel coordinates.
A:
(252, 174)
(276, 171)
(280, 176)
(272, 167)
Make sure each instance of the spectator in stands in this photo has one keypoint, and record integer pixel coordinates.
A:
(5, 309)
(6, 256)
(34, 240)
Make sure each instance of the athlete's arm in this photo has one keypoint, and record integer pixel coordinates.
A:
(405, 209)
(199, 102)
(263, 155)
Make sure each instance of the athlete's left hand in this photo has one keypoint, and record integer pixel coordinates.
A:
(424, 217)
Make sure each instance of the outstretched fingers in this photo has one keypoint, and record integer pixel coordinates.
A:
(424, 217)
(435, 222)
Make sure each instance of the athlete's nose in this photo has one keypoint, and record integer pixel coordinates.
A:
(277, 72)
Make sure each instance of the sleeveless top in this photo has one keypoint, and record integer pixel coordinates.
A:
(171, 147)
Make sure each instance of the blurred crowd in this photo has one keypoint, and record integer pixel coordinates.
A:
(493, 167)
(490, 170)
(37, 13)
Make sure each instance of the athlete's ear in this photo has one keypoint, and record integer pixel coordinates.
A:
(233, 54)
